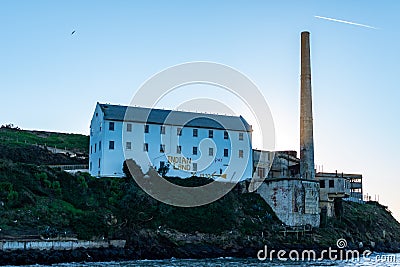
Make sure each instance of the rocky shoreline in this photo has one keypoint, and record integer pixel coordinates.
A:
(193, 251)
(41, 201)
(379, 233)
(25, 257)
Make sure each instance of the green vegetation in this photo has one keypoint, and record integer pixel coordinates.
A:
(73, 142)
(370, 222)
(50, 202)
(38, 200)
(23, 146)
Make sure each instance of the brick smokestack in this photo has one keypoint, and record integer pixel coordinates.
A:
(307, 170)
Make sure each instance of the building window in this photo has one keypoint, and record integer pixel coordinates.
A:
(162, 148)
(179, 131)
(178, 149)
(210, 133)
(226, 152)
(90, 166)
(111, 145)
(195, 150)
(226, 135)
(99, 145)
(146, 128)
(162, 129)
(95, 148)
(240, 136)
(129, 127)
(145, 147)
(331, 183)
(261, 172)
(111, 126)
(322, 184)
(240, 153)
(128, 145)
(99, 163)
(195, 132)
(194, 167)
(211, 151)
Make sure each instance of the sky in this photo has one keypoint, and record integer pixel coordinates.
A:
(51, 79)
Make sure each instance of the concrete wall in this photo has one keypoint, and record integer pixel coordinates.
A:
(340, 188)
(59, 245)
(330, 207)
(346, 186)
(295, 201)
(262, 161)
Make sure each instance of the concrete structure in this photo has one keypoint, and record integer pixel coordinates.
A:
(333, 189)
(281, 164)
(336, 187)
(262, 161)
(356, 187)
(198, 144)
(291, 189)
(58, 244)
(307, 170)
(285, 165)
(294, 200)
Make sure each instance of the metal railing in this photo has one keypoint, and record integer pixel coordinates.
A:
(71, 167)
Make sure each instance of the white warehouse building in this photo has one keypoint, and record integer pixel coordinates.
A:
(192, 144)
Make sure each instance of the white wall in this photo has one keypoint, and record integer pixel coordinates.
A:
(96, 135)
(215, 166)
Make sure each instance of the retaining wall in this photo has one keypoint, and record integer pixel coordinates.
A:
(59, 245)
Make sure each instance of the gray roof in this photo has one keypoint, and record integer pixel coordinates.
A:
(171, 117)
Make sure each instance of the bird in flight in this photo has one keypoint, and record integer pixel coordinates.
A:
(72, 32)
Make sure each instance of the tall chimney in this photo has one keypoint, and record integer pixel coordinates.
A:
(307, 170)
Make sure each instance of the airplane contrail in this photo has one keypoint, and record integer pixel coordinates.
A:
(347, 22)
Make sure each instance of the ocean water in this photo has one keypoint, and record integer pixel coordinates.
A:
(373, 260)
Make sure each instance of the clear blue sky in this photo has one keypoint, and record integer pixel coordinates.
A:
(51, 80)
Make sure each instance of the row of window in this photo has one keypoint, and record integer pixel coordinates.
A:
(195, 133)
(95, 148)
(179, 149)
(128, 146)
(331, 183)
(111, 145)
